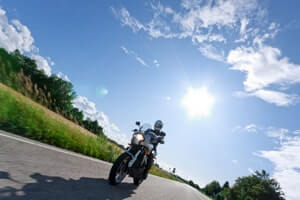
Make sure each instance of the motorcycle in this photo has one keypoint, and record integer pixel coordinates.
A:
(134, 160)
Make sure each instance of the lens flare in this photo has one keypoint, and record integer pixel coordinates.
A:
(102, 91)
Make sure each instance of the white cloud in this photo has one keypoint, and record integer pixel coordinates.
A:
(270, 96)
(140, 60)
(269, 33)
(277, 98)
(126, 51)
(63, 76)
(134, 55)
(297, 132)
(221, 13)
(127, 20)
(251, 170)
(264, 67)
(244, 23)
(14, 35)
(201, 21)
(251, 128)
(189, 4)
(43, 63)
(279, 134)
(110, 129)
(273, 26)
(211, 52)
(286, 160)
(243, 30)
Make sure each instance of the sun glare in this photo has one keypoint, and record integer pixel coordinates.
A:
(198, 102)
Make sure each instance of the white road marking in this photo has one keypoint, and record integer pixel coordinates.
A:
(28, 141)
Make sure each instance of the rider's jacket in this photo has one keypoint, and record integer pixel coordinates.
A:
(158, 133)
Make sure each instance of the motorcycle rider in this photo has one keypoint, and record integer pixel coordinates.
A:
(158, 125)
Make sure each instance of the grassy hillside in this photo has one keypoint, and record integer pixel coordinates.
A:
(22, 74)
(22, 116)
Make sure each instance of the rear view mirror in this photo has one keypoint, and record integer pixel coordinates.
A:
(138, 123)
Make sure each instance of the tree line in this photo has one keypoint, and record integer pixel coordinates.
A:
(258, 186)
(22, 74)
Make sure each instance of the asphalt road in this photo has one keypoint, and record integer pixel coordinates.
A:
(31, 170)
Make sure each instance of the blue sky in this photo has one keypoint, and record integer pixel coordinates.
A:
(136, 60)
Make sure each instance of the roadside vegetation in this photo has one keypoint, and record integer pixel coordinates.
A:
(258, 186)
(22, 74)
(24, 117)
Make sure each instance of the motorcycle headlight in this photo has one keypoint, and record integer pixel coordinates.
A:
(137, 139)
(140, 137)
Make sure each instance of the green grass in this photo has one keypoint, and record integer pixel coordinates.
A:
(164, 174)
(22, 116)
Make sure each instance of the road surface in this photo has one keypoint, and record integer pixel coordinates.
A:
(30, 170)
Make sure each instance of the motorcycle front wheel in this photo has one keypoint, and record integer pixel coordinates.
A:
(119, 169)
(137, 181)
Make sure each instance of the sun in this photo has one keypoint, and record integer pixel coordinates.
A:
(198, 102)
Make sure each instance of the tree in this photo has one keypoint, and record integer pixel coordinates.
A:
(226, 185)
(194, 185)
(212, 189)
(174, 170)
(76, 116)
(258, 186)
(61, 92)
(225, 193)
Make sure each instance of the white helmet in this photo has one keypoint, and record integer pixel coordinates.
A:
(158, 125)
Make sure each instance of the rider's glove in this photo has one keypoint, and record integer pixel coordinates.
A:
(161, 140)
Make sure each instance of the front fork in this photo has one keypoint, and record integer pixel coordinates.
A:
(133, 156)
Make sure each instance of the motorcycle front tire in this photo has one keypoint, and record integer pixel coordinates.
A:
(137, 181)
(115, 168)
